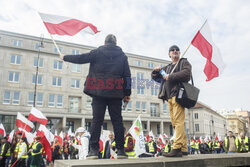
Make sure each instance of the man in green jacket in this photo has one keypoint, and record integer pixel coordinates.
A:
(36, 153)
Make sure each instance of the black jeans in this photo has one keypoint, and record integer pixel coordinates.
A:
(99, 106)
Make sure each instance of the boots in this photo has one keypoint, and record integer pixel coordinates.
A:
(173, 153)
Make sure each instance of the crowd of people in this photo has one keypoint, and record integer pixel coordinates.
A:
(19, 153)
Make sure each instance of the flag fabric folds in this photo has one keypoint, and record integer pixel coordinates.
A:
(137, 132)
(2, 130)
(36, 115)
(46, 139)
(61, 25)
(10, 137)
(24, 123)
(204, 43)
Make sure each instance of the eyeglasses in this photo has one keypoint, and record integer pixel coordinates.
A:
(175, 49)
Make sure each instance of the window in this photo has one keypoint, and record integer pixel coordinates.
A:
(57, 81)
(105, 126)
(140, 83)
(58, 65)
(144, 108)
(39, 79)
(75, 83)
(17, 43)
(6, 97)
(158, 129)
(9, 122)
(39, 99)
(40, 62)
(70, 125)
(89, 101)
(49, 124)
(150, 65)
(154, 91)
(122, 106)
(153, 110)
(16, 98)
(75, 52)
(30, 98)
(129, 107)
(165, 108)
(75, 68)
(15, 59)
(197, 128)
(196, 115)
(88, 126)
(74, 104)
(56, 51)
(37, 46)
(51, 100)
(137, 63)
(138, 106)
(59, 100)
(13, 77)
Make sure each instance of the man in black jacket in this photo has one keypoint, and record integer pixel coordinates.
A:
(4, 151)
(108, 82)
(169, 91)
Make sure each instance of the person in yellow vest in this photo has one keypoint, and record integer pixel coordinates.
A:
(243, 143)
(36, 153)
(15, 144)
(22, 153)
(129, 147)
(216, 146)
(4, 151)
(192, 145)
(152, 148)
(210, 144)
(197, 144)
(167, 147)
(110, 144)
(231, 143)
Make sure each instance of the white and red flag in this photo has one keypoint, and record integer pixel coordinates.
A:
(10, 137)
(2, 130)
(24, 123)
(36, 115)
(60, 139)
(46, 139)
(29, 136)
(61, 25)
(162, 139)
(204, 43)
(150, 134)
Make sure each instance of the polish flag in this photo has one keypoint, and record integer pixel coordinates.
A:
(162, 139)
(10, 137)
(61, 25)
(60, 139)
(150, 134)
(2, 130)
(204, 43)
(29, 136)
(24, 123)
(36, 115)
(46, 139)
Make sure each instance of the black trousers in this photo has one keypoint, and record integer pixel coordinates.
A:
(99, 106)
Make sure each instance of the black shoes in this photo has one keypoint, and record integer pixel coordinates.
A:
(184, 153)
(173, 153)
(121, 154)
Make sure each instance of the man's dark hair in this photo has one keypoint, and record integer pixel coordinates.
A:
(230, 132)
(110, 39)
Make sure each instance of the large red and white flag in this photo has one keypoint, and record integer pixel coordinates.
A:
(60, 138)
(29, 136)
(2, 130)
(46, 139)
(24, 123)
(204, 43)
(162, 139)
(36, 115)
(61, 25)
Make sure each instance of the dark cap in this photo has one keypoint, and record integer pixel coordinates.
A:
(110, 39)
(20, 133)
(174, 47)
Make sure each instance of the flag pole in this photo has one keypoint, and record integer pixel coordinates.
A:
(58, 49)
(186, 49)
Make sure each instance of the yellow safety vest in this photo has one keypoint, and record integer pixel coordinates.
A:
(192, 144)
(216, 145)
(210, 144)
(34, 147)
(20, 150)
(2, 149)
(197, 145)
(166, 149)
(130, 154)
(17, 147)
(235, 140)
(245, 141)
(151, 147)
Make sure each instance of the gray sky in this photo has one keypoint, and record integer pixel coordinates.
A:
(149, 28)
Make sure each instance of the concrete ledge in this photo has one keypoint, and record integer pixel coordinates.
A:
(200, 160)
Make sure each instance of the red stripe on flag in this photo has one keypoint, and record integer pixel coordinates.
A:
(34, 118)
(2, 132)
(69, 27)
(23, 125)
(206, 49)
